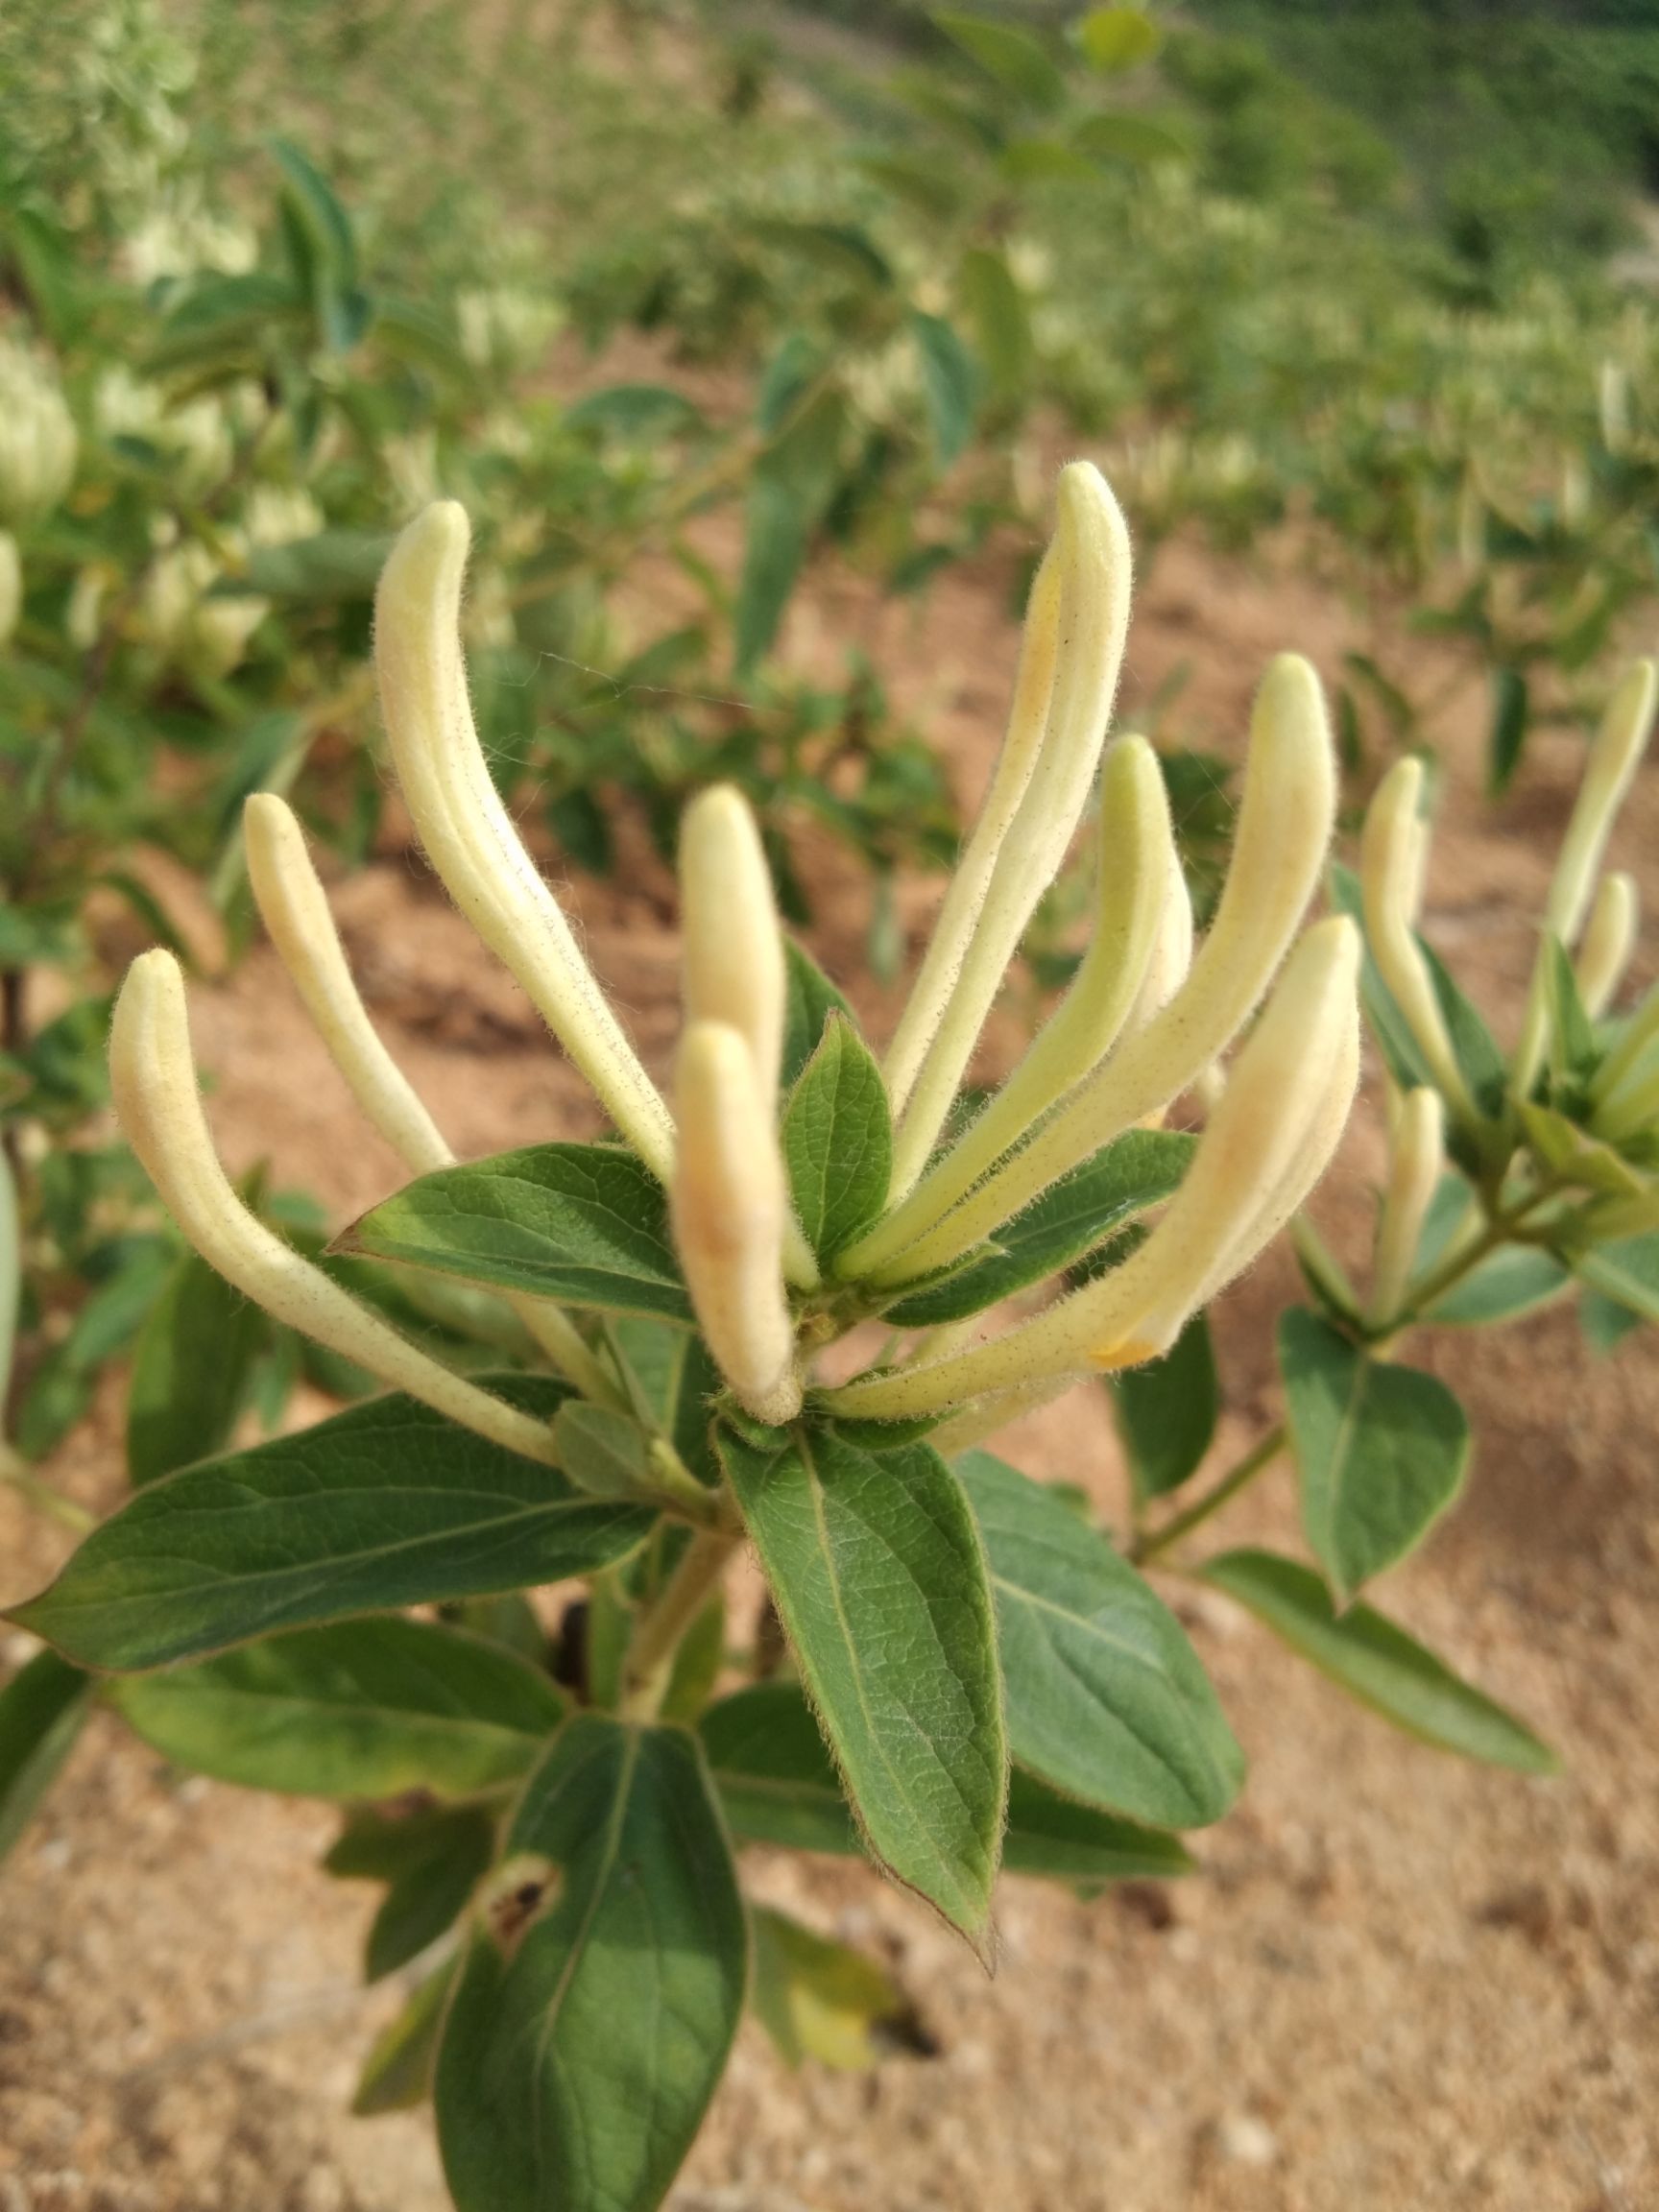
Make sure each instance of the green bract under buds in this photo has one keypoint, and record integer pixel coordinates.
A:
(1143, 1022)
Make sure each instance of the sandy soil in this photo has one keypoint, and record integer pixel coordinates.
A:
(1397, 1981)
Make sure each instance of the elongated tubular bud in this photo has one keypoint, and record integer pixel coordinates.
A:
(1137, 864)
(468, 833)
(1417, 1156)
(1392, 851)
(734, 968)
(153, 1079)
(965, 895)
(1171, 961)
(1609, 940)
(295, 910)
(1093, 559)
(1614, 758)
(729, 1208)
(1271, 1139)
(1284, 826)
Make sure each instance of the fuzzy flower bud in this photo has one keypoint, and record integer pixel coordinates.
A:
(729, 1213)
(153, 1079)
(10, 586)
(468, 835)
(1417, 1159)
(1093, 560)
(734, 963)
(1391, 857)
(1609, 940)
(1272, 1136)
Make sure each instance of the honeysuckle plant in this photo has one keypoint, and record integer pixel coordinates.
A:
(777, 1311)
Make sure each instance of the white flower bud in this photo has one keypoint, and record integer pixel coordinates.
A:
(1417, 1158)
(728, 1210)
(1284, 828)
(10, 586)
(37, 437)
(153, 1080)
(1609, 940)
(1271, 1139)
(468, 835)
(1391, 857)
(732, 962)
(1093, 560)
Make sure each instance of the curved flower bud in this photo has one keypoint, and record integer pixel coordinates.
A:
(295, 910)
(468, 835)
(1171, 961)
(1271, 1139)
(728, 1209)
(1284, 826)
(1392, 852)
(1609, 940)
(1613, 759)
(1027, 720)
(153, 1079)
(10, 586)
(1093, 559)
(732, 963)
(1136, 867)
(1417, 1156)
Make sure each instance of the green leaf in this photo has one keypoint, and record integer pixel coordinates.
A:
(1380, 1449)
(1167, 1411)
(1115, 39)
(821, 2000)
(605, 1452)
(637, 414)
(1138, 1169)
(584, 1223)
(431, 1860)
(1573, 1050)
(1605, 1322)
(385, 1505)
(397, 2072)
(789, 489)
(1002, 323)
(838, 1140)
(877, 1573)
(361, 1709)
(949, 384)
(697, 1664)
(1628, 1271)
(1574, 1156)
(603, 1986)
(1135, 139)
(1106, 1698)
(1517, 1278)
(676, 1379)
(1376, 1662)
(778, 1785)
(334, 567)
(1484, 1067)
(1019, 62)
(1510, 710)
(191, 1371)
(811, 1001)
(42, 1709)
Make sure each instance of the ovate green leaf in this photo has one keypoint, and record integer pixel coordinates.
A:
(818, 1999)
(191, 1371)
(838, 1140)
(431, 1859)
(1167, 1411)
(600, 1992)
(42, 1712)
(397, 2072)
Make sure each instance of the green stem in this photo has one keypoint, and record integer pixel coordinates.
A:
(657, 1639)
(1153, 1547)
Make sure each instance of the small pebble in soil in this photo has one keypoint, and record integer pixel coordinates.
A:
(1244, 2140)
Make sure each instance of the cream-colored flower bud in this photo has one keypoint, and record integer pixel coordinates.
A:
(1272, 1136)
(468, 835)
(10, 586)
(1093, 560)
(733, 965)
(153, 1080)
(39, 442)
(965, 894)
(728, 1210)
(1284, 826)
(1139, 874)
(1417, 1146)
(1171, 961)
(1609, 941)
(1392, 851)
(1613, 760)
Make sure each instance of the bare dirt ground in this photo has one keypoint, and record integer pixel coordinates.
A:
(1396, 1981)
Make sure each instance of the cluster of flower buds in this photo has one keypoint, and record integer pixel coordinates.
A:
(1565, 1144)
(1145, 1020)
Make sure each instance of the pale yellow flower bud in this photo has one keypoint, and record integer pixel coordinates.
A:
(153, 1080)
(1272, 1136)
(1093, 560)
(732, 960)
(10, 586)
(1609, 940)
(1284, 828)
(1391, 857)
(1171, 961)
(1417, 1159)
(729, 1213)
(468, 835)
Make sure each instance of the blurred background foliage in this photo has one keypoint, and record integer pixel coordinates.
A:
(678, 298)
